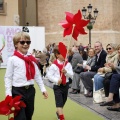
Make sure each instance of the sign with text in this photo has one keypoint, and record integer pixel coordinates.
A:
(37, 35)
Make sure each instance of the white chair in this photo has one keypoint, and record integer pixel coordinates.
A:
(82, 88)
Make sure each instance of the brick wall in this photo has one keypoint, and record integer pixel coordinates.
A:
(106, 28)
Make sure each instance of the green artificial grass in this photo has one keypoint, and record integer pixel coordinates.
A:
(45, 108)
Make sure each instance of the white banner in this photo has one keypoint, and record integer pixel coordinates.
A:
(37, 35)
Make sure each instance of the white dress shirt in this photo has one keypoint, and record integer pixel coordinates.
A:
(16, 75)
(53, 73)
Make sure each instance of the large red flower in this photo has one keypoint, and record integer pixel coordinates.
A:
(67, 24)
(74, 24)
(11, 105)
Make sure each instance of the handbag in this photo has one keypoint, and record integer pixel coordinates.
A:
(99, 96)
(106, 82)
(78, 69)
(108, 75)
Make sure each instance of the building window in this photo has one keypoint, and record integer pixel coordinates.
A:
(1, 4)
(2, 7)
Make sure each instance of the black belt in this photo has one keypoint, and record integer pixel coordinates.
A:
(63, 84)
(25, 87)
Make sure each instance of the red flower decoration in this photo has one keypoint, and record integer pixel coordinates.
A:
(11, 105)
(74, 24)
(62, 49)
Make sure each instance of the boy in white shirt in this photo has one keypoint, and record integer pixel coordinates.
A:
(59, 73)
(21, 72)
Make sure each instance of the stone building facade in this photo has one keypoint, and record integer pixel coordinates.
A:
(106, 28)
(49, 13)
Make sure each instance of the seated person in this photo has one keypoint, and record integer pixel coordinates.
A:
(90, 62)
(113, 98)
(111, 58)
(116, 69)
(86, 77)
(77, 58)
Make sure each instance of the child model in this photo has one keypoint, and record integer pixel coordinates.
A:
(21, 72)
(58, 73)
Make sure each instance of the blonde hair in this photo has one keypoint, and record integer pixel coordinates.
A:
(20, 35)
(114, 46)
(118, 47)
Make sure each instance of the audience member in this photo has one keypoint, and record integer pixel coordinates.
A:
(70, 55)
(80, 47)
(114, 98)
(90, 62)
(111, 58)
(52, 58)
(77, 58)
(84, 54)
(42, 56)
(87, 76)
(115, 67)
(34, 52)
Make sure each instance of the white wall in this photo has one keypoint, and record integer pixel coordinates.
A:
(37, 35)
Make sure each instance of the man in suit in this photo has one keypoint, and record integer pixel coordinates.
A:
(87, 76)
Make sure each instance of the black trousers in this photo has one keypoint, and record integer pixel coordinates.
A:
(41, 69)
(106, 85)
(28, 95)
(114, 87)
(106, 82)
(61, 93)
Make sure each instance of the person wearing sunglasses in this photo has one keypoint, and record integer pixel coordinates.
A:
(110, 58)
(20, 74)
(114, 87)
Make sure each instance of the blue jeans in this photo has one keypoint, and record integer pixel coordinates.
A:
(98, 82)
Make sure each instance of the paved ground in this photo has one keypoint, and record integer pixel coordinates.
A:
(88, 103)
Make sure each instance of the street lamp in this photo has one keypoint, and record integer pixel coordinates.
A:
(91, 18)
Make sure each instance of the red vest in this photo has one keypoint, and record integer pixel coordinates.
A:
(60, 66)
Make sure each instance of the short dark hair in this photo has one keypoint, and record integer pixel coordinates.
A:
(56, 52)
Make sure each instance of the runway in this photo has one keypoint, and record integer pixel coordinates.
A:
(45, 109)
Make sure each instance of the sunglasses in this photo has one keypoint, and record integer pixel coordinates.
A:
(23, 42)
(108, 48)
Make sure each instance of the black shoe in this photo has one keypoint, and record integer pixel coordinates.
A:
(107, 103)
(71, 91)
(90, 94)
(75, 92)
(113, 109)
(58, 118)
(78, 91)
